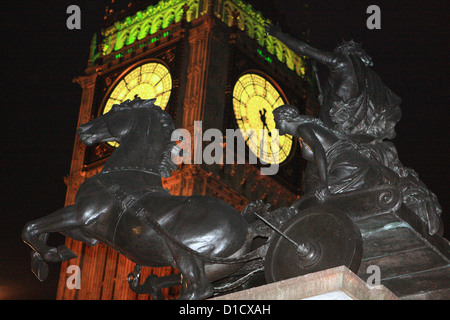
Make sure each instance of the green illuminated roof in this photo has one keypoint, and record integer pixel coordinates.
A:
(160, 16)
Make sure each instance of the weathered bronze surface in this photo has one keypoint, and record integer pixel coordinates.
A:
(327, 238)
(117, 205)
(126, 207)
(346, 147)
(353, 175)
(354, 168)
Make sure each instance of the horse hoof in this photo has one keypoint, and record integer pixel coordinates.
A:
(61, 253)
(39, 267)
(65, 253)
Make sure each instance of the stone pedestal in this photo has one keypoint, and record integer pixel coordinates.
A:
(333, 284)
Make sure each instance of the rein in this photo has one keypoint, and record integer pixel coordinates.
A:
(144, 170)
(125, 200)
(128, 203)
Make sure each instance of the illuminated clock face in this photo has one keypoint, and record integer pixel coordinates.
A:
(151, 80)
(254, 99)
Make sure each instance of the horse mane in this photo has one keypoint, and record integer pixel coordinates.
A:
(166, 164)
(134, 104)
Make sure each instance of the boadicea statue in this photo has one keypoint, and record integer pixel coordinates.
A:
(354, 100)
(350, 165)
(347, 148)
(126, 207)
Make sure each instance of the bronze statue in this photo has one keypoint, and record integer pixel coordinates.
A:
(354, 100)
(207, 240)
(362, 112)
(341, 166)
(124, 205)
(338, 164)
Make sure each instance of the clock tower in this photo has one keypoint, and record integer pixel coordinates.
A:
(207, 61)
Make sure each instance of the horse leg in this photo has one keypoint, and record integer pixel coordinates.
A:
(40, 267)
(81, 235)
(194, 284)
(35, 234)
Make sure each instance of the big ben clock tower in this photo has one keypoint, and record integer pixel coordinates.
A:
(207, 61)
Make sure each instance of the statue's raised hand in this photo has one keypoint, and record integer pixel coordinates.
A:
(272, 30)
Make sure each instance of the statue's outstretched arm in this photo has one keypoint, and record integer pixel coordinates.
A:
(327, 58)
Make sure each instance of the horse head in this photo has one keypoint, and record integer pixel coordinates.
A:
(139, 126)
(111, 126)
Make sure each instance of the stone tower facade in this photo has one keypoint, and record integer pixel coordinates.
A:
(206, 46)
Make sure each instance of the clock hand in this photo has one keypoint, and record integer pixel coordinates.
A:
(268, 130)
(263, 120)
(262, 116)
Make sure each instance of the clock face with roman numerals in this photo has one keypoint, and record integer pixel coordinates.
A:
(254, 99)
(150, 80)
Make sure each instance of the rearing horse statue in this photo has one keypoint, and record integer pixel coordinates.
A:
(125, 206)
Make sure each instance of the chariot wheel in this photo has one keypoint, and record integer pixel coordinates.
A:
(314, 240)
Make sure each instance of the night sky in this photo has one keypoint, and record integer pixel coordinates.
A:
(40, 104)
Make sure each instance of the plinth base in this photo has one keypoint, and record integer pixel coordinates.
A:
(333, 284)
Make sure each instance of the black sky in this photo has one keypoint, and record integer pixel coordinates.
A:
(39, 102)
